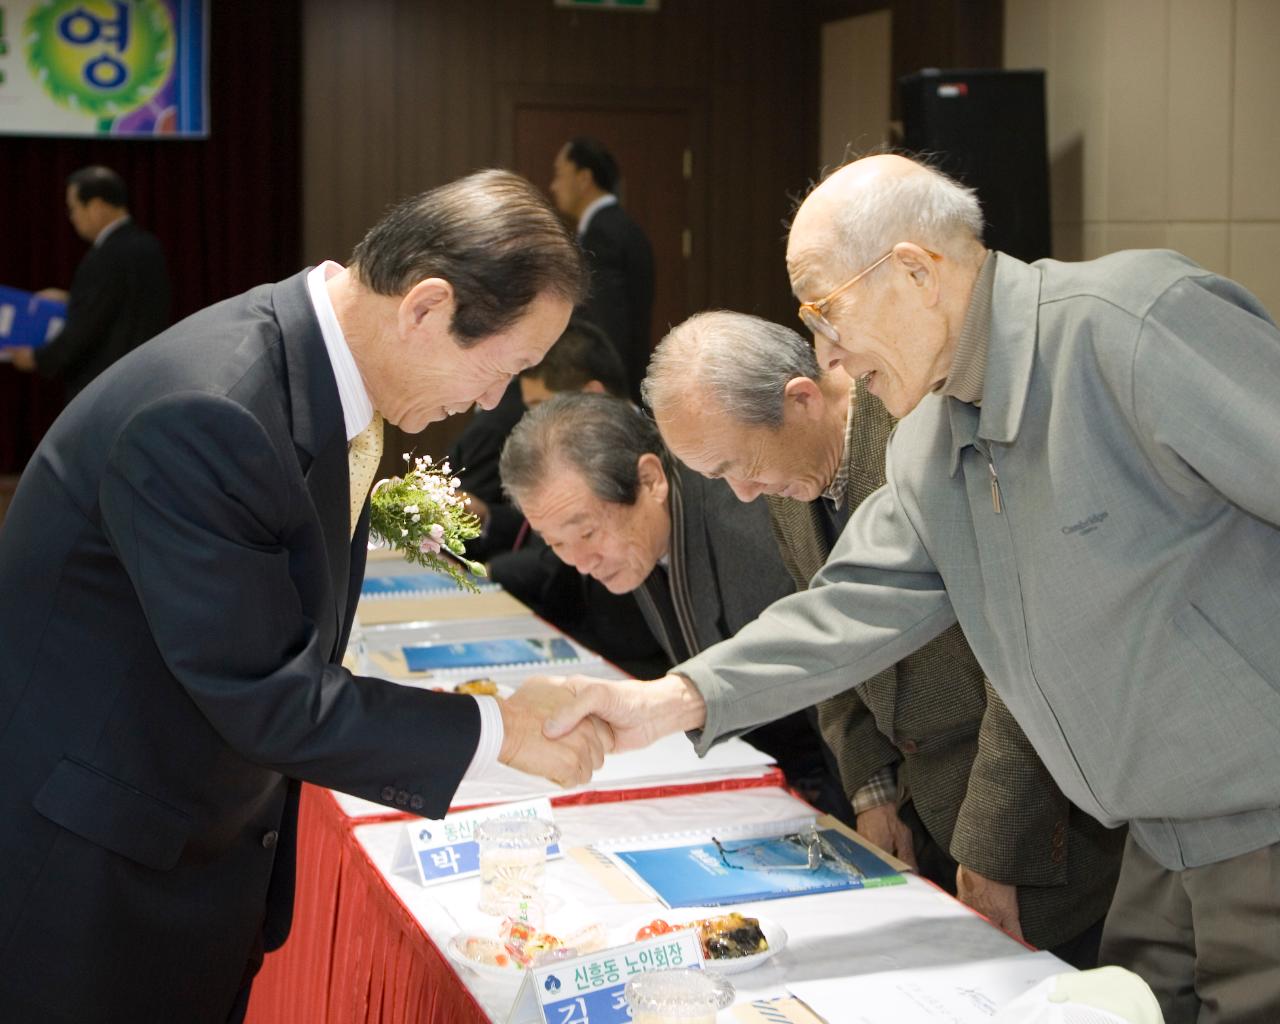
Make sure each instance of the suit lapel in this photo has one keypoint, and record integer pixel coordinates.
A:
(319, 435)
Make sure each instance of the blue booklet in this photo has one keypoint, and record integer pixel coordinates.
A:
(27, 319)
(488, 653)
(412, 585)
(711, 874)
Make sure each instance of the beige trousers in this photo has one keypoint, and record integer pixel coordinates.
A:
(1207, 939)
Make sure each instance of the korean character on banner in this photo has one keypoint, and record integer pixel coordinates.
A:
(598, 974)
(81, 27)
(676, 952)
(619, 1000)
(660, 956)
(581, 979)
(451, 832)
(445, 859)
(642, 962)
(611, 973)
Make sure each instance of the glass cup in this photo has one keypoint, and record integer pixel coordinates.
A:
(513, 864)
(687, 996)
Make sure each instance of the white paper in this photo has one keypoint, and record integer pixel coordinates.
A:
(967, 993)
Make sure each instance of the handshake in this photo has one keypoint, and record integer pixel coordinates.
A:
(561, 727)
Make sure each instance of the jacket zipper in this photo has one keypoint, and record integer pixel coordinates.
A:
(997, 502)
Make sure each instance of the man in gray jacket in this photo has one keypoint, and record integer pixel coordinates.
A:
(966, 799)
(1087, 482)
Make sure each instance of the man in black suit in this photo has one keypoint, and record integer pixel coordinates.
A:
(620, 300)
(182, 560)
(120, 293)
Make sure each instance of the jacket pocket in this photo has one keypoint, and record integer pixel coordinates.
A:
(1235, 671)
(113, 815)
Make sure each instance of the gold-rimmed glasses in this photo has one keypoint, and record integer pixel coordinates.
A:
(814, 314)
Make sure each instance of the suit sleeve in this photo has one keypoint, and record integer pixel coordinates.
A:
(878, 599)
(1011, 809)
(860, 748)
(194, 503)
(98, 294)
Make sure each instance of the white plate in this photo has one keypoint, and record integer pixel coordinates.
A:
(774, 934)
(570, 924)
(457, 953)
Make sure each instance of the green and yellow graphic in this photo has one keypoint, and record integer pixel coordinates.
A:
(100, 57)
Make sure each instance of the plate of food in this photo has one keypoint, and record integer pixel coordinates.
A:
(477, 688)
(731, 943)
(518, 945)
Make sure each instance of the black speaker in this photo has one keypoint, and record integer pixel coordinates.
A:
(987, 129)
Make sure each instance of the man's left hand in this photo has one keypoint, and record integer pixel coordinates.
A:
(994, 900)
(23, 357)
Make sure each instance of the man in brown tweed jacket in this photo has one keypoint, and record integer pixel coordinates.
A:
(938, 771)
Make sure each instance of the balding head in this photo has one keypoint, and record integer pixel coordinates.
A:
(866, 207)
(886, 250)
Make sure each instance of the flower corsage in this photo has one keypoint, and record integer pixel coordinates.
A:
(422, 515)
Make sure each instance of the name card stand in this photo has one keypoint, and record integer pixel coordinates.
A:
(590, 989)
(440, 850)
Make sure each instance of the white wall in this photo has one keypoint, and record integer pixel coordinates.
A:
(1162, 131)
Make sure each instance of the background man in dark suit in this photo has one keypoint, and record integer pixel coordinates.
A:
(593, 477)
(120, 293)
(182, 561)
(620, 258)
(745, 400)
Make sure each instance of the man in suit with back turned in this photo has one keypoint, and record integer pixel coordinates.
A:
(119, 296)
(619, 256)
(182, 561)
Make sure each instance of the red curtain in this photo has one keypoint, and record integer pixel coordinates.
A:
(226, 208)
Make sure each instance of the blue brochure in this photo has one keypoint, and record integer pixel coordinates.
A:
(488, 653)
(410, 585)
(707, 874)
(26, 319)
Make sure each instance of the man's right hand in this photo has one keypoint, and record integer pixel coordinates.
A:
(567, 761)
(23, 358)
(882, 826)
(637, 712)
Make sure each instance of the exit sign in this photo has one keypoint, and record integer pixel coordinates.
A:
(610, 5)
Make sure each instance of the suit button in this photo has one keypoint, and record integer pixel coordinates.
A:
(416, 802)
(269, 839)
(908, 746)
(402, 798)
(388, 793)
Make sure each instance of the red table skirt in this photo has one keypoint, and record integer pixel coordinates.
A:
(355, 955)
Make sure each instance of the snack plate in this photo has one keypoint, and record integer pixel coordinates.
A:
(459, 954)
(774, 934)
(504, 691)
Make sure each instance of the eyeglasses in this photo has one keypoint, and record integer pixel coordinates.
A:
(763, 855)
(814, 314)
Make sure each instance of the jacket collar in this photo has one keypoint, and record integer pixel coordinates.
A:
(1011, 347)
(315, 410)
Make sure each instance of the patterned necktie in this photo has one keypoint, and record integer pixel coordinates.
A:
(363, 455)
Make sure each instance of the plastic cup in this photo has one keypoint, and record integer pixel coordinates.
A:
(687, 996)
(513, 864)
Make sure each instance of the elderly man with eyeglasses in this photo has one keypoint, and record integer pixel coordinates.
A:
(1086, 482)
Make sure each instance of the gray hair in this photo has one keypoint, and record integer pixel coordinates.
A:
(739, 361)
(927, 208)
(600, 437)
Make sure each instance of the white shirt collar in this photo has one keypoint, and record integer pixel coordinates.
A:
(357, 409)
(102, 235)
(609, 199)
